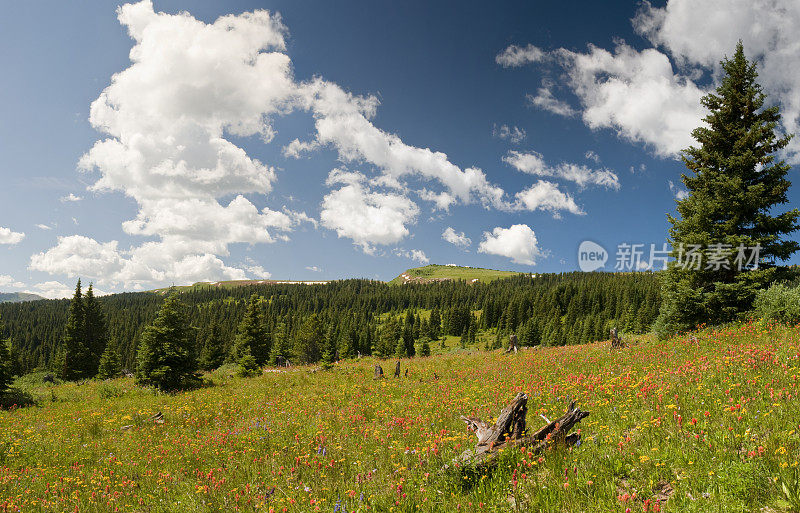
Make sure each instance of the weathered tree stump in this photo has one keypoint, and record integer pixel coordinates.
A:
(378, 372)
(616, 340)
(510, 431)
(397, 369)
(512, 343)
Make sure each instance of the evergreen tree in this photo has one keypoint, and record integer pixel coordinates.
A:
(281, 349)
(391, 332)
(5, 362)
(734, 185)
(95, 331)
(212, 353)
(77, 358)
(329, 353)
(310, 339)
(110, 365)
(252, 334)
(425, 350)
(248, 367)
(435, 324)
(408, 335)
(165, 357)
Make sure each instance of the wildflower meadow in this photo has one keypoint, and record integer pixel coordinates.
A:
(702, 422)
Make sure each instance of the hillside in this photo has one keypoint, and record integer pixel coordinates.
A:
(690, 425)
(18, 297)
(232, 284)
(433, 273)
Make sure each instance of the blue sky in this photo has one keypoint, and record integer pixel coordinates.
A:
(294, 140)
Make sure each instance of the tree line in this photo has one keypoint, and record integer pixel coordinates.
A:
(308, 324)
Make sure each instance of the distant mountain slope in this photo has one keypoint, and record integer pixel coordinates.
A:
(17, 297)
(238, 283)
(434, 272)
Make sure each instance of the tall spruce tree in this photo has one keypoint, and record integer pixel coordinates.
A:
(308, 344)
(110, 365)
(734, 185)
(212, 354)
(281, 346)
(252, 334)
(95, 331)
(5, 361)
(77, 358)
(166, 357)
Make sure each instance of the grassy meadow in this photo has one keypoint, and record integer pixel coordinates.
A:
(705, 424)
(452, 272)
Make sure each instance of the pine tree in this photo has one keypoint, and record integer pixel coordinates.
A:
(165, 357)
(390, 334)
(435, 324)
(281, 350)
(5, 362)
(408, 335)
(77, 358)
(734, 185)
(248, 367)
(110, 365)
(212, 354)
(310, 339)
(252, 334)
(400, 349)
(329, 353)
(425, 350)
(95, 331)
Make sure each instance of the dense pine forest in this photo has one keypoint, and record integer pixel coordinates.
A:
(306, 324)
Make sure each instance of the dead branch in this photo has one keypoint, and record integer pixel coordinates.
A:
(510, 431)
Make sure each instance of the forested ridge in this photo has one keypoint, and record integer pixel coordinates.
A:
(348, 317)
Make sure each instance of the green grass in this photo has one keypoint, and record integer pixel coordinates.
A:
(693, 426)
(448, 272)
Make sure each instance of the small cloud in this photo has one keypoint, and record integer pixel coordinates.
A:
(515, 56)
(416, 255)
(513, 134)
(71, 198)
(43, 227)
(678, 192)
(545, 100)
(456, 238)
(314, 268)
(8, 281)
(517, 242)
(7, 236)
(594, 157)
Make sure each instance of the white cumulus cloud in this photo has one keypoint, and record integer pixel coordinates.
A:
(456, 238)
(171, 122)
(533, 163)
(7, 236)
(8, 281)
(544, 195)
(71, 198)
(416, 255)
(644, 98)
(367, 217)
(518, 242)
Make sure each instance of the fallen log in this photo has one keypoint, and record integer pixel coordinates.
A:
(510, 431)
